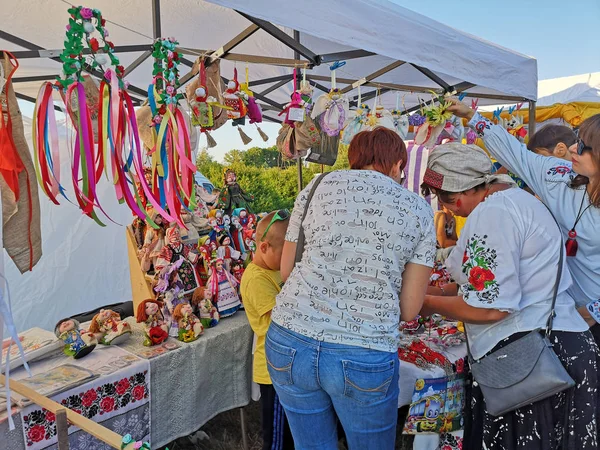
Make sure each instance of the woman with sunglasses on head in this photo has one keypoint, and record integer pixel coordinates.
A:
(368, 249)
(571, 190)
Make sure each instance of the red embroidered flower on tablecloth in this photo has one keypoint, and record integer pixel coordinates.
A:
(478, 276)
(122, 386)
(89, 398)
(138, 392)
(50, 417)
(36, 433)
(107, 404)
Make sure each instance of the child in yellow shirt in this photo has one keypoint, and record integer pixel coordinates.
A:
(260, 285)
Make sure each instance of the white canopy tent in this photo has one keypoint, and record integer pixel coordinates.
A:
(386, 47)
(576, 88)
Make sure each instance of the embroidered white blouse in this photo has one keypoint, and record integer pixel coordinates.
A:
(506, 258)
(361, 229)
(549, 178)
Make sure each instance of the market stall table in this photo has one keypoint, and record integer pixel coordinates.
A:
(189, 384)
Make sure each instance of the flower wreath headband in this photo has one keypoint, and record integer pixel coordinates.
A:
(172, 166)
(107, 144)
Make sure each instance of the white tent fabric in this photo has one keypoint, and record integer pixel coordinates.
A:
(85, 266)
(576, 88)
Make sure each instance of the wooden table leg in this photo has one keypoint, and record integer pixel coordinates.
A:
(62, 429)
(243, 429)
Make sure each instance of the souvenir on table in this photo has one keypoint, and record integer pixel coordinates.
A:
(223, 289)
(332, 108)
(170, 288)
(190, 327)
(232, 195)
(110, 147)
(436, 118)
(108, 328)
(236, 231)
(437, 405)
(237, 270)
(208, 313)
(249, 230)
(155, 328)
(153, 243)
(176, 251)
(35, 342)
(77, 343)
(226, 252)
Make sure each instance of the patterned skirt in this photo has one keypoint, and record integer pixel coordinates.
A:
(542, 425)
(228, 301)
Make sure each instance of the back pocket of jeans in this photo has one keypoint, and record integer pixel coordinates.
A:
(367, 383)
(279, 359)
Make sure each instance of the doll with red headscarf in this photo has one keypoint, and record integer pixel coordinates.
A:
(172, 252)
(223, 287)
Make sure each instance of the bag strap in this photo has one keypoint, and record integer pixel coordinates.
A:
(300, 243)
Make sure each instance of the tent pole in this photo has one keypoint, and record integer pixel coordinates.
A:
(156, 26)
(531, 118)
(299, 161)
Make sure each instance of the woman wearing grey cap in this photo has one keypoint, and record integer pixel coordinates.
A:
(505, 264)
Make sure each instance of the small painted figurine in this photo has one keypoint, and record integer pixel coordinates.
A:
(223, 288)
(173, 252)
(232, 195)
(108, 328)
(190, 327)
(209, 315)
(157, 330)
(226, 252)
(77, 343)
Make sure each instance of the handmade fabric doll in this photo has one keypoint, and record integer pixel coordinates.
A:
(173, 298)
(209, 316)
(233, 100)
(77, 343)
(175, 250)
(354, 123)
(108, 328)
(249, 230)
(237, 270)
(226, 252)
(154, 241)
(514, 125)
(236, 231)
(190, 327)
(149, 313)
(233, 196)
(223, 288)
(401, 123)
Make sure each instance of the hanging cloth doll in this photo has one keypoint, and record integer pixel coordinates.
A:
(202, 105)
(356, 120)
(254, 109)
(400, 119)
(236, 102)
(332, 108)
(173, 252)
(223, 287)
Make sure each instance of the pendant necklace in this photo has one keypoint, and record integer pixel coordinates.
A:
(571, 244)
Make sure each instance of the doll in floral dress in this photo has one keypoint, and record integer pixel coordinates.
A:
(108, 328)
(209, 316)
(149, 313)
(174, 251)
(223, 288)
(190, 327)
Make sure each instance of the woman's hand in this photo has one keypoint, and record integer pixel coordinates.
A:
(426, 309)
(583, 312)
(460, 109)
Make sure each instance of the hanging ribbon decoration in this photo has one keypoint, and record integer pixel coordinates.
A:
(172, 166)
(104, 145)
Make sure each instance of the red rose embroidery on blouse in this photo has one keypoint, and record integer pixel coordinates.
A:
(478, 277)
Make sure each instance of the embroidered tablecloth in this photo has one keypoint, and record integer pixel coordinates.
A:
(193, 382)
(119, 399)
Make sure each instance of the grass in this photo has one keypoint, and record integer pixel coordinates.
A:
(223, 433)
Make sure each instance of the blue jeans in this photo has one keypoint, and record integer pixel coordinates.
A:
(317, 381)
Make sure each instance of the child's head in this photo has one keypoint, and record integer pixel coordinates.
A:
(270, 236)
(553, 140)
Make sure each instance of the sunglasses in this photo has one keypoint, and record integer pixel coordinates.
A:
(581, 147)
(282, 214)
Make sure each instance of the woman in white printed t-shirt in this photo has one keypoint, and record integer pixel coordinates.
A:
(505, 263)
(570, 189)
(332, 344)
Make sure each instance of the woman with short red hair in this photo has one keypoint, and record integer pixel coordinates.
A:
(369, 246)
